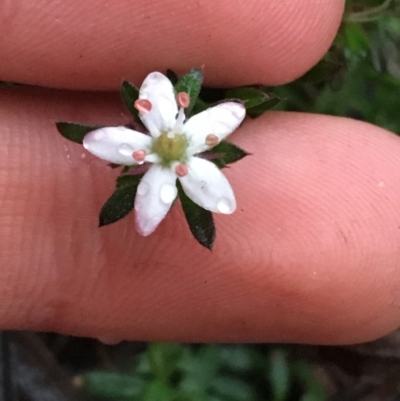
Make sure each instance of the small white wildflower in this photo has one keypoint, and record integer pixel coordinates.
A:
(171, 147)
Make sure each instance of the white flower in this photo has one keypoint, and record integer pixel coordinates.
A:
(171, 147)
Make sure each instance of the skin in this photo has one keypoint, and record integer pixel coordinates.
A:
(310, 256)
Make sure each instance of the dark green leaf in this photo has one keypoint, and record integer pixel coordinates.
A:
(111, 385)
(356, 38)
(121, 201)
(256, 111)
(125, 181)
(130, 94)
(199, 106)
(200, 221)
(191, 84)
(323, 71)
(225, 153)
(331, 65)
(256, 99)
(172, 76)
(75, 132)
(250, 95)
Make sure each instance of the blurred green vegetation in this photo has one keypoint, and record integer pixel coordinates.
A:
(358, 78)
(361, 71)
(176, 372)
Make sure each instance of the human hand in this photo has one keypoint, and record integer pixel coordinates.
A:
(311, 254)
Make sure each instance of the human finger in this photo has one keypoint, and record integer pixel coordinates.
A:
(95, 44)
(311, 255)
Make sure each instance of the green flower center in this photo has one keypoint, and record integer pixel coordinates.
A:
(170, 147)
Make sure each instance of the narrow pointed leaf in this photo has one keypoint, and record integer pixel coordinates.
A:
(191, 84)
(121, 201)
(124, 181)
(256, 99)
(256, 111)
(130, 94)
(328, 68)
(75, 132)
(324, 71)
(200, 221)
(225, 153)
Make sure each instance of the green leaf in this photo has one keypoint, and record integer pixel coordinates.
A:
(356, 38)
(130, 94)
(331, 65)
(250, 95)
(191, 84)
(121, 201)
(256, 99)
(225, 153)
(324, 71)
(200, 221)
(75, 132)
(112, 385)
(256, 111)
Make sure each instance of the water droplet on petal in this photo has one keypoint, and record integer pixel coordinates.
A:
(125, 149)
(224, 206)
(168, 193)
(143, 188)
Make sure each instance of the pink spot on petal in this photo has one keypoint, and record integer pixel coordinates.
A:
(143, 105)
(212, 140)
(181, 170)
(139, 155)
(183, 99)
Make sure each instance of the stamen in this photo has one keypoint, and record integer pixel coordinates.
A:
(179, 121)
(183, 99)
(181, 170)
(212, 140)
(143, 105)
(139, 155)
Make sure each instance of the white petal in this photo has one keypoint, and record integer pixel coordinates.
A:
(155, 194)
(208, 187)
(158, 89)
(116, 144)
(220, 120)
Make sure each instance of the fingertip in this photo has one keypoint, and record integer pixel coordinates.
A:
(94, 44)
(310, 255)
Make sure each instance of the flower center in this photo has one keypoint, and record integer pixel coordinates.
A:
(170, 147)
